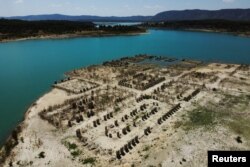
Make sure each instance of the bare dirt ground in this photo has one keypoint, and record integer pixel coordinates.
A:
(176, 120)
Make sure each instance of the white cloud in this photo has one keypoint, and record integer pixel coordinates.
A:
(228, 1)
(18, 1)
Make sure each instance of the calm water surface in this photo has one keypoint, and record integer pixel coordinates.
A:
(28, 68)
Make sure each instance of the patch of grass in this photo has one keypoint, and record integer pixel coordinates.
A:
(231, 101)
(75, 153)
(89, 161)
(248, 97)
(235, 119)
(240, 126)
(177, 124)
(200, 117)
(230, 112)
(72, 146)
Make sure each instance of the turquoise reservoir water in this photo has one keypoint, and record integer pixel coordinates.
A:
(28, 68)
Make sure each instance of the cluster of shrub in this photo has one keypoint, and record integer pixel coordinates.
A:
(20, 28)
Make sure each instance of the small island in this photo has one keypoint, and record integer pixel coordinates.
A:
(136, 111)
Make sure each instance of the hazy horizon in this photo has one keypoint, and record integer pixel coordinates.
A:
(111, 7)
(112, 15)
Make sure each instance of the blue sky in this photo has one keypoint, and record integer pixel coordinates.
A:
(111, 7)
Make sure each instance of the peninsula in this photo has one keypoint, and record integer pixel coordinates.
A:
(136, 111)
(11, 30)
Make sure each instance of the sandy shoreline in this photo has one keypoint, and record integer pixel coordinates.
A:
(68, 36)
(21, 123)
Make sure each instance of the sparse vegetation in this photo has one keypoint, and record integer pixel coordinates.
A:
(177, 124)
(89, 161)
(75, 153)
(231, 112)
(240, 126)
(200, 117)
(150, 124)
(72, 147)
(146, 148)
